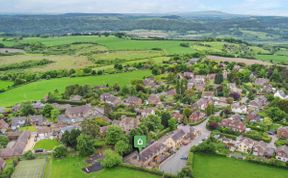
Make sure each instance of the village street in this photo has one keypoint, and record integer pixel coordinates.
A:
(174, 164)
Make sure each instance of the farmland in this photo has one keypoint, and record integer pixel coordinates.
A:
(71, 167)
(207, 166)
(37, 90)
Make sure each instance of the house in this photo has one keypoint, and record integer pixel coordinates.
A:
(261, 81)
(149, 82)
(68, 128)
(267, 89)
(147, 112)
(133, 101)
(233, 123)
(37, 120)
(220, 101)
(259, 102)
(83, 111)
(154, 100)
(61, 107)
(245, 145)
(282, 153)
(239, 109)
(283, 132)
(2, 164)
(38, 105)
(178, 116)
(234, 89)
(44, 132)
(253, 117)
(259, 148)
(127, 123)
(3, 126)
(171, 92)
(75, 98)
(174, 141)
(188, 75)
(110, 99)
(18, 147)
(229, 143)
(207, 94)
(196, 116)
(281, 94)
(63, 119)
(18, 122)
(202, 103)
(148, 155)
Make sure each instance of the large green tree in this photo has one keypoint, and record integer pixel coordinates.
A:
(85, 145)
(111, 159)
(114, 134)
(90, 127)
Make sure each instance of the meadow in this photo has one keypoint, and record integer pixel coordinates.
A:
(37, 90)
(5, 84)
(71, 166)
(46, 144)
(274, 58)
(212, 166)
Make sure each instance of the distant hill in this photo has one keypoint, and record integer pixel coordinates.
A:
(195, 25)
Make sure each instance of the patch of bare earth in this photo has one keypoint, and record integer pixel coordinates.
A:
(238, 60)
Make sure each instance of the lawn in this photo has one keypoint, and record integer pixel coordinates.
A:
(28, 128)
(211, 166)
(274, 58)
(71, 166)
(30, 169)
(37, 90)
(5, 84)
(46, 144)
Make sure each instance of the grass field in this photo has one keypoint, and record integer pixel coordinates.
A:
(211, 166)
(277, 59)
(70, 167)
(28, 128)
(30, 169)
(47, 144)
(5, 84)
(37, 90)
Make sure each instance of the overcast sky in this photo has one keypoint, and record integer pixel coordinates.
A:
(252, 7)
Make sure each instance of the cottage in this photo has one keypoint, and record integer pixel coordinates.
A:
(79, 111)
(61, 107)
(282, 153)
(150, 153)
(127, 123)
(283, 132)
(261, 81)
(267, 89)
(147, 112)
(245, 145)
(18, 148)
(110, 99)
(259, 148)
(196, 116)
(207, 94)
(234, 89)
(253, 117)
(154, 100)
(38, 105)
(37, 120)
(178, 116)
(234, 124)
(239, 109)
(258, 103)
(220, 101)
(171, 92)
(174, 141)
(3, 126)
(18, 122)
(75, 98)
(203, 103)
(44, 132)
(63, 119)
(133, 101)
(149, 82)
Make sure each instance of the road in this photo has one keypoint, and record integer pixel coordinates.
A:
(173, 165)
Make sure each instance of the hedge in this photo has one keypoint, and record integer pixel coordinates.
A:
(151, 171)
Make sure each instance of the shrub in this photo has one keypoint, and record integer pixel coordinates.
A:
(60, 151)
(111, 159)
(29, 155)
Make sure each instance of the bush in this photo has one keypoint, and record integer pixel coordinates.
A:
(111, 159)
(29, 155)
(60, 151)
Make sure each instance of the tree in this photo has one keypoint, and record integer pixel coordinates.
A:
(60, 151)
(29, 155)
(187, 112)
(152, 123)
(70, 138)
(210, 109)
(172, 123)
(90, 127)
(27, 109)
(85, 145)
(47, 110)
(111, 159)
(122, 147)
(3, 141)
(165, 116)
(54, 114)
(114, 134)
(219, 78)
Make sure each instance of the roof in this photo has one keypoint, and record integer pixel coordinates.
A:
(151, 150)
(78, 109)
(178, 134)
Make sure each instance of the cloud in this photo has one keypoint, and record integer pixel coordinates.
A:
(257, 7)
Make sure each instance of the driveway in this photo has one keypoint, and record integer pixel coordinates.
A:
(173, 165)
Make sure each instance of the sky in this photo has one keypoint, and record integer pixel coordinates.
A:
(250, 7)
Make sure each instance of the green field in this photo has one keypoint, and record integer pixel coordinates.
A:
(37, 90)
(30, 169)
(70, 167)
(211, 166)
(277, 59)
(5, 84)
(46, 144)
(28, 128)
